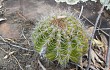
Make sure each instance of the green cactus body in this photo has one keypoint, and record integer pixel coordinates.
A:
(63, 38)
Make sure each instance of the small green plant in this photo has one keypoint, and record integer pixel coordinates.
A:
(60, 38)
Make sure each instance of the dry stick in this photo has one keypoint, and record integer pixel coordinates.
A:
(25, 37)
(108, 56)
(81, 48)
(41, 65)
(81, 12)
(3, 50)
(21, 16)
(13, 45)
(20, 47)
(13, 57)
(17, 62)
(90, 41)
(97, 27)
(102, 30)
(21, 6)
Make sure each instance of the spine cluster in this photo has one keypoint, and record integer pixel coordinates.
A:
(60, 39)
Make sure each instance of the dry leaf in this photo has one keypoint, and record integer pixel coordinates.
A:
(95, 57)
(99, 44)
(10, 40)
(9, 55)
(59, 17)
(90, 30)
(0, 6)
(6, 57)
(2, 19)
(93, 67)
(104, 40)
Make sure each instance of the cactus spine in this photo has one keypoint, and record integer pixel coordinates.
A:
(61, 38)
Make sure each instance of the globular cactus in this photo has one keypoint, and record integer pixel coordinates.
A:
(61, 38)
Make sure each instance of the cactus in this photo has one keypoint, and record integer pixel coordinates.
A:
(60, 38)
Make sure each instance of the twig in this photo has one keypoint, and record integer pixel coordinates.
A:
(21, 15)
(13, 57)
(97, 27)
(104, 29)
(81, 12)
(108, 56)
(77, 65)
(25, 37)
(13, 45)
(94, 25)
(21, 6)
(17, 62)
(3, 39)
(2, 43)
(3, 50)
(19, 47)
(90, 41)
(41, 65)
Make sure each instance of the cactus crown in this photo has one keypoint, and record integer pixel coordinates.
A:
(60, 38)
